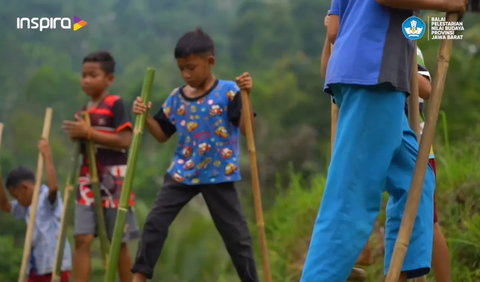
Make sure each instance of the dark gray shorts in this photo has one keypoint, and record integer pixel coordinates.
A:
(86, 223)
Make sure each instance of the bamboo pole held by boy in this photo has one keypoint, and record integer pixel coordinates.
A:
(69, 189)
(27, 248)
(421, 165)
(95, 183)
(413, 100)
(123, 207)
(257, 196)
(413, 109)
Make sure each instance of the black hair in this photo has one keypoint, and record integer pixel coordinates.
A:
(195, 42)
(107, 63)
(18, 175)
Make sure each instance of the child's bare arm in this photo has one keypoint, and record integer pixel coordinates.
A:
(437, 5)
(327, 49)
(153, 126)
(333, 27)
(424, 87)
(52, 181)
(5, 204)
(326, 53)
(119, 140)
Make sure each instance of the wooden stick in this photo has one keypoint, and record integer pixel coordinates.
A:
(69, 189)
(27, 248)
(124, 204)
(257, 196)
(413, 107)
(96, 189)
(413, 100)
(1, 133)
(421, 165)
(333, 125)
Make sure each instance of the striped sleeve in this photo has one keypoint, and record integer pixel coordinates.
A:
(422, 69)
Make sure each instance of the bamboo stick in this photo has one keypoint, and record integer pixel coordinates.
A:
(333, 125)
(414, 110)
(257, 196)
(421, 165)
(27, 248)
(124, 205)
(413, 100)
(1, 133)
(95, 184)
(71, 180)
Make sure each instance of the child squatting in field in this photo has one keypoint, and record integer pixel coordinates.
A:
(20, 184)
(206, 113)
(368, 75)
(111, 132)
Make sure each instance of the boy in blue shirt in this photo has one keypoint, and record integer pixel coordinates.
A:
(375, 150)
(206, 113)
(21, 184)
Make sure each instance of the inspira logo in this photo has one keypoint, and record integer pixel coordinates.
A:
(50, 23)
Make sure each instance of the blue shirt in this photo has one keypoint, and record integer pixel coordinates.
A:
(208, 132)
(45, 236)
(370, 48)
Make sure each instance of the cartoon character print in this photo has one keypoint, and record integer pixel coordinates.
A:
(191, 126)
(182, 110)
(227, 153)
(222, 132)
(204, 148)
(167, 111)
(216, 110)
(231, 95)
(230, 169)
(204, 164)
(177, 177)
(189, 165)
(187, 152)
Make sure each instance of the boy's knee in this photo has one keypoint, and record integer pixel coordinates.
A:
(83, 241)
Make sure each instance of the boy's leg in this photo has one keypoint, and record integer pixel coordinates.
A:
(170, 200)
(131, 232)
(368, 134)
(84, 231)
(440, 254)
(366, 256)
(227, 214)
(419, 254)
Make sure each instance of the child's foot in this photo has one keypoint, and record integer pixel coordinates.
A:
(357, 275)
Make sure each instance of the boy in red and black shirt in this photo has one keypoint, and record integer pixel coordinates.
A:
(111, 131)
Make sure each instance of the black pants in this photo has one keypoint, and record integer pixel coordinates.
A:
(224, 206)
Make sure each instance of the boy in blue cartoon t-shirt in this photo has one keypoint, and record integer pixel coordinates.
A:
(206, 114)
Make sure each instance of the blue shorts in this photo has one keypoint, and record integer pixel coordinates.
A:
(375, 151)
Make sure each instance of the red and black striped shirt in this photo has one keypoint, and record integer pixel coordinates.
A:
(110, 116)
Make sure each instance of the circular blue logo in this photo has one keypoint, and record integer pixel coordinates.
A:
(413, 28)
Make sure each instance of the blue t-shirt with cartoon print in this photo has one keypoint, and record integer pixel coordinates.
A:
(207, 127)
